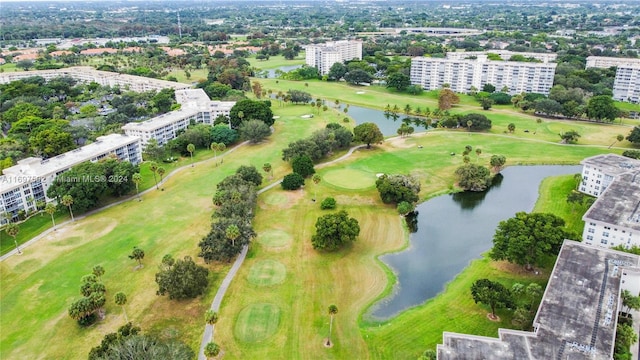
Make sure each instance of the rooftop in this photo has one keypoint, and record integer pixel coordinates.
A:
(619, 204)
(162, 120)
(612, 164)
(576, 318)
(34, 167)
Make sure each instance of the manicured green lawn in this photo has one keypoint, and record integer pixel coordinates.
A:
(37, 287)
(30, 228)
(276, 61)
(284, 319)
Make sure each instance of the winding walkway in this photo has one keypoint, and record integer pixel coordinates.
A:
(129, 198)
(222, 290)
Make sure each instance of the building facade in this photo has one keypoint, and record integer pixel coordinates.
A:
(576, 318)
(464, 74)
(607, 62)
(196, 108)
(105, 78)
(614, 218)
(25, 183)
(323, 56)
(626, 86)
(504, 55)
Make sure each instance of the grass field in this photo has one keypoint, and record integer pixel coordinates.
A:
(276, 61)
(286, 317)
(37, 287)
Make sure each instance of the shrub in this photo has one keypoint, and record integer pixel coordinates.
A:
(292, 181)
(328, 204)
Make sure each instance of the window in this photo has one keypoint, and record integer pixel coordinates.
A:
(592, 224)
(603, 241)
(591, 230)
(589, 237)
(607, 227)
(605, 234)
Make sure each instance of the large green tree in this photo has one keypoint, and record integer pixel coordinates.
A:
(491, 293)
(333, 231)
(634, 136)
(303, 165)
(527, 239)
(398, 80)
(473, 177)
(184, 279)
(254, 131)
(396, 188)
(602, 107)
(251, 110)
(368, 133)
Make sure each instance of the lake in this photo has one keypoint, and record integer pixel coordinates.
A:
(454, 229)
(388, 127)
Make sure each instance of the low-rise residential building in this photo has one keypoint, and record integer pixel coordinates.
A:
(104, 78)
(25, 183)
(600, 170)
(464, 74)
(323, 56)
(504, 55)
(577, 316)
(607, 62)
(196, 108)
(614, 218)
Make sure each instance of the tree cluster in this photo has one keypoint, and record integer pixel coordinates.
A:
(473, 177)
(395, 189)
(320, 144)
(333, 231)
(527, 239)
(93, 299)
(181, 279)
(368, 133)
(89, 182)
(247, 109)
(129, 343)
(231, 227)
(491, 293)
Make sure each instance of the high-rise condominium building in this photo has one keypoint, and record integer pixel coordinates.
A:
(323, 56)
(626, 86)
(463, 74)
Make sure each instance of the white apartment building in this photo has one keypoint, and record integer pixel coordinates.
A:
(323, 56)
(27, 182)
(88, 74)
(607, 62)
(196, 108)
(614, 218)
(461, 75)
(504, 55)
(626, 86)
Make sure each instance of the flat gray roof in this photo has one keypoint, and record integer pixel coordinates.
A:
(577, 315)
(34, 167)
(162, 120)
(612, 164)
(619, 204)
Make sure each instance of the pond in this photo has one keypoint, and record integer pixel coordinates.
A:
(388, 127)
(271, 73)
(454, 229)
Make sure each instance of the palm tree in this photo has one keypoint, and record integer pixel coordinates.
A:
(332, 311)
(50, 209)
(12, 230)
(137, 179)
(211, 350)
(161, 171)
(98, 271)
(240, 116)
(211, 317)
(67, 201)
(191, 148)
(618, 139)
(478, 152)
(316, 180)
(121, 299)
(217, 147)
(232, 233)
(153, 166)
(137, 254)
(469, 123)
(267, 168)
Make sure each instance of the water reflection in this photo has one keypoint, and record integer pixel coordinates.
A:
(468, 200)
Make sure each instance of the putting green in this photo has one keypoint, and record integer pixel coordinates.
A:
(257, 322)
(274, 238)
(350, 178)
(275, 198)
(267, 272)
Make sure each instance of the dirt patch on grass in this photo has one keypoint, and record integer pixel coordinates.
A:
(519, 270)
(280, 200)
